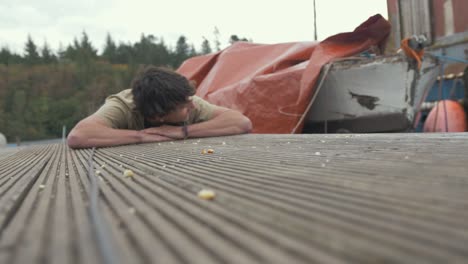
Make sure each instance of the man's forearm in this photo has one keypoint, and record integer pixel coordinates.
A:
(86, 138)
(228, 123)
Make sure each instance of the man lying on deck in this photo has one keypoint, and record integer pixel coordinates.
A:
(161, 106)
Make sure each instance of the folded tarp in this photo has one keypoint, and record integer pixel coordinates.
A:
(273, 84)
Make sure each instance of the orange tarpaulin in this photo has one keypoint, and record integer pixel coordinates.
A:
(273, 84)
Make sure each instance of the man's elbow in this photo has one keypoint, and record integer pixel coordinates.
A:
(75, 140)
(245, 126)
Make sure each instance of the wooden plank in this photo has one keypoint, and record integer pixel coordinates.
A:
(279, 198)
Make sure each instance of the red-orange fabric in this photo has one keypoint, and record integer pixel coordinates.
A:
(273, 84)
(456, 118)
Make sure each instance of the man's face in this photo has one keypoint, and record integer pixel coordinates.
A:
(180, 114)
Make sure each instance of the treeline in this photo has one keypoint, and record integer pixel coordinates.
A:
(43, 90)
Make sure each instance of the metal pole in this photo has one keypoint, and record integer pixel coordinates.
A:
(64, 131)
(315, 22)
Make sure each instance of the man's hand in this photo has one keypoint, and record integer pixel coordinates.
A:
(172, 132)
(224, 122)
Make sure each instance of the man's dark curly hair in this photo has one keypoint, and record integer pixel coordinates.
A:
(158, 91)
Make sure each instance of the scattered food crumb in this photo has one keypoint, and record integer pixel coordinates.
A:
(317, 153)
(322, 141)
(206, 194)
(323, 165)
(207, 151)
(103, 165)
(128, 174)
(327, 160)
(224, 143)
(42, 186)
(178, 160)
(121, 155)
(98, 172)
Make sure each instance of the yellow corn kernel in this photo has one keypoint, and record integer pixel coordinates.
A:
(206, 194)
(128, 174)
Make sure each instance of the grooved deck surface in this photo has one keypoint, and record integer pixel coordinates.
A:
(380, 198)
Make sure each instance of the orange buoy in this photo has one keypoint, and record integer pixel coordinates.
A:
(446, 116)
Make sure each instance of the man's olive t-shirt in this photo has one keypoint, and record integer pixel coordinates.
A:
(119, 111)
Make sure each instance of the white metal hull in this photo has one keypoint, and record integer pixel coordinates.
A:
(371, 95)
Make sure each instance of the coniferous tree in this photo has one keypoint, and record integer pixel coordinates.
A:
(182, 51)
(31, 54)
(192, 51)
(235, 38)
(71, 52)
(162, 54)
(5, 56)
(144, 49)
(110, 50)
(205, 47)
(125, 54)
(217, 43)
(86, 49)
(47, 55)
(61, 52)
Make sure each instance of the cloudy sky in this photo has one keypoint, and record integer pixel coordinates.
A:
(263, 21)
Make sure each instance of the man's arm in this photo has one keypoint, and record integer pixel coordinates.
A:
(94, 132)
(224, 122)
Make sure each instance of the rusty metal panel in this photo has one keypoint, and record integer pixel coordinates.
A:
(453, 18)
(460, 11)
(371, 198)
(415, 16)
(438, 20)
(445, 17)
(393, 7)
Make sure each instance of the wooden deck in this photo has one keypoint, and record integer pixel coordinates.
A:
(380, 198)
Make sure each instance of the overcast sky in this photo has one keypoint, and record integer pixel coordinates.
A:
(263, 21)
